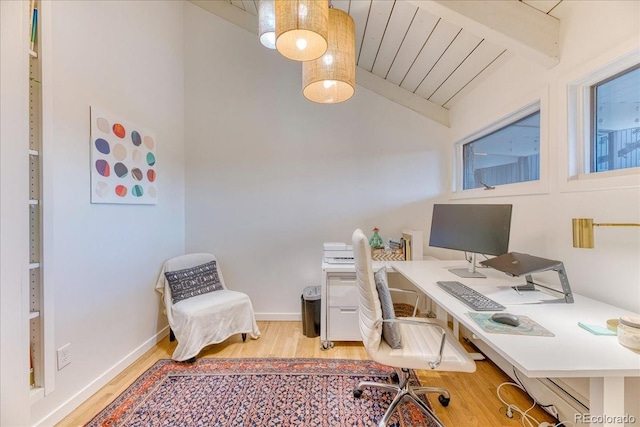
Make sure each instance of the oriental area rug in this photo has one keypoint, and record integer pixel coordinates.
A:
(258, 392)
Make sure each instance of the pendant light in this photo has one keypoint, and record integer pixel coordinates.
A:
(301, 28)
(267, 23)
(332, 77)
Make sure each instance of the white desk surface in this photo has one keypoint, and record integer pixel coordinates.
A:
(351, 267)
(573, 352)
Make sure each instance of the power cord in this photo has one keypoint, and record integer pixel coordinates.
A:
(511, 408)
(560, 424)
(525, 417)
(548, 407)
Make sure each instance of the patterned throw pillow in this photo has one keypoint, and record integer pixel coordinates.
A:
(193, 281)
(390, 331)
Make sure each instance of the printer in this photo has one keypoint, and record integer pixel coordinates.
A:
(338, 253)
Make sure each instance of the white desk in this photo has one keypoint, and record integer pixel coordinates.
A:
(573, 352)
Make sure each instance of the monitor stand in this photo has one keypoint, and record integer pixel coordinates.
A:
(564, 281)
(529, 286)
(469, 272)
(516, 265)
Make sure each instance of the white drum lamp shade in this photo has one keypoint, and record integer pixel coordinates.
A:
(332, 77)
(301, 28)
(267, 23)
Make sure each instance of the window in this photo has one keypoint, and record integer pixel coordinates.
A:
(601, 123)
(507, 155)
(615, 122)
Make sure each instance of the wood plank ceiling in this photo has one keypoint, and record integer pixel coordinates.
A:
(406, 45)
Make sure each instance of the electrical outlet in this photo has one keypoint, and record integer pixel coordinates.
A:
(64, 356)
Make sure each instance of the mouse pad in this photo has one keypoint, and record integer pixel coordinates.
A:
(526, 326)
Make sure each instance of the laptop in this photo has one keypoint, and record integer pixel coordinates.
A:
(517, 264)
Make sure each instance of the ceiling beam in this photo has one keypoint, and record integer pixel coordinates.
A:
(520, 28)
(401, 96)
(364, 78)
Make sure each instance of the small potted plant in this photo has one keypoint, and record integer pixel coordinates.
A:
(376, 241)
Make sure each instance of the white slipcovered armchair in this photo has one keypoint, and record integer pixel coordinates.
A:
(200, 309)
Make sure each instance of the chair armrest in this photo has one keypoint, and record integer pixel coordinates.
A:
(434, 363)
(409, 291)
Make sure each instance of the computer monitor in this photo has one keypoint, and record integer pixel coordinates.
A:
(476, 228)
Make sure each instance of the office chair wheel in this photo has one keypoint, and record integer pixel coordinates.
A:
(444, 401)
(326, 345)
(192, 360)
(357, 393)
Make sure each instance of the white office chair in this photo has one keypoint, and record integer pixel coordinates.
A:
(425, 343)
(203, 317)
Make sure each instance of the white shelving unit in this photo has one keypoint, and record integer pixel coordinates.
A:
(35, 219)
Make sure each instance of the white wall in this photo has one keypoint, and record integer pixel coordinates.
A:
(592, 34)
(14, 179)
(270, 176)
(102, 260)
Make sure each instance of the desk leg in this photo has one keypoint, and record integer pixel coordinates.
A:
(606, 401)
(441, 314)
(324, 342)
(456, 333)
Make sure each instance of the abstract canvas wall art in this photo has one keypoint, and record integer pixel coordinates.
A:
(123, 161)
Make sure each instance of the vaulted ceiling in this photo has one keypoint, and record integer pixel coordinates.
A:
(427, 54)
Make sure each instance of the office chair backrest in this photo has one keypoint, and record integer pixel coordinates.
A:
(370, 316)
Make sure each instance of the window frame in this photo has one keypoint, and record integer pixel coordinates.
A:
(579, 131)
(593, 128)
(540, 186)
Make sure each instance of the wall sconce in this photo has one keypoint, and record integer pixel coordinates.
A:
(583, 231)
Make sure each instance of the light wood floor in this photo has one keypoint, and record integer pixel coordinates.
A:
(473, 396)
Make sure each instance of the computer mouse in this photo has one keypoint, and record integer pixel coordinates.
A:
(506, 318)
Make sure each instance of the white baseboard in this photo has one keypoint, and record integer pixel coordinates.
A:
(284, 317)
(72, 403)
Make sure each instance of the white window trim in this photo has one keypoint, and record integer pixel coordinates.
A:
(541, 186)
(576, 167)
